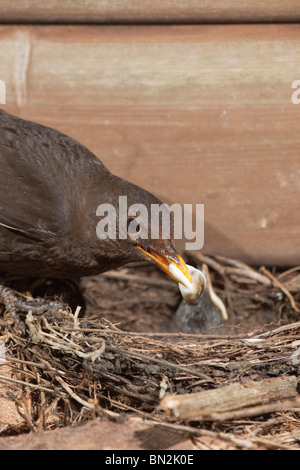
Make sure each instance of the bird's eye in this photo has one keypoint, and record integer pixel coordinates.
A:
(134, 228)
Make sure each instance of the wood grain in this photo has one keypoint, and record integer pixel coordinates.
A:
(196, 114)
(148, 11)
(237, 396)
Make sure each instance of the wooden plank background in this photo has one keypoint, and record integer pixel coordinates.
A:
(195, 114)
(149, 11)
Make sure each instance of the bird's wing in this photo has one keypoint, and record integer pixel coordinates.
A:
(33, 200)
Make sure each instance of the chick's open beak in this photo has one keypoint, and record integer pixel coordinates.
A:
(167, 261)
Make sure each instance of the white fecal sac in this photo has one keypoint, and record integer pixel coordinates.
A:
(190, 291)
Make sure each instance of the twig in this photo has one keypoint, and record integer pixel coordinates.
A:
(203, 405)
(252, 411)
(72, 394)
(166, 364)
(277, 283)
(86, 404)
(196, 432)
(26, 384)
(201, 258)
(250, 274)
(280, 329)
(289, 271)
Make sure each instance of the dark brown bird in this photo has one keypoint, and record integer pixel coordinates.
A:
(50, 188)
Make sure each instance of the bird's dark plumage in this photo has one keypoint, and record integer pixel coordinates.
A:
(50, 188)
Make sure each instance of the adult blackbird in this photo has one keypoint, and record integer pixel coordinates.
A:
(50, 189)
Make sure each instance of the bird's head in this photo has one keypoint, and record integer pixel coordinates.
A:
(145, 231)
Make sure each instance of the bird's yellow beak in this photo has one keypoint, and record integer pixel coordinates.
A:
(164, 261)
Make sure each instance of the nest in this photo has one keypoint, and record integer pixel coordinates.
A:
(235, 384)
